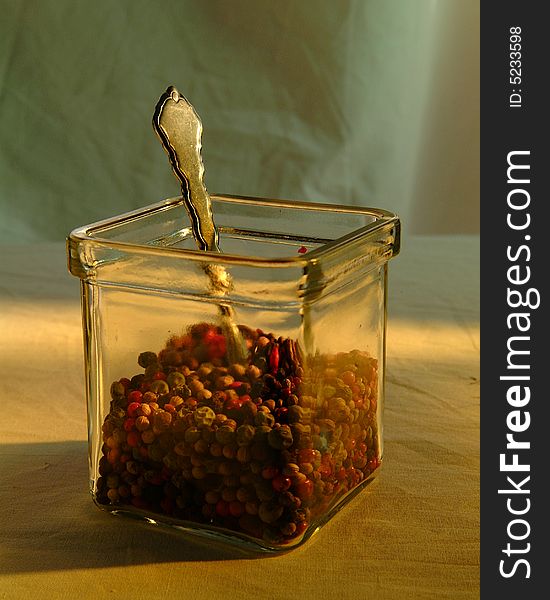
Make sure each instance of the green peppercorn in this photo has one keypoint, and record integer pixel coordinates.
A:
(184, 392)
(192, 434)
(280, 437)
(269, 512)
(156, 453)
(159, 387)
(204, 416)
(295, 414)
(243, 454)
(329, 391)
(175, 380)
(245, 434)
(117, 390)
(171, 461)
(249, 410)
(264, 419)
(225, 435)
(264, 490)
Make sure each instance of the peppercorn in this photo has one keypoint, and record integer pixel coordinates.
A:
(113, 495)
(159, 387)
(142, 423)
(245, 434)
(204, 416)
(149, 397)
(267, 434)
(225, 434)
(264, 418)
(269, 512)
(281, 483)
(148, 436)
(147, 358)
(175, 380)
(204, 395)
(117, 390)
(161, 421)
(280, 437)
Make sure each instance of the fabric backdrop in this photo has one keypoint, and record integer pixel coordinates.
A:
(364, 102)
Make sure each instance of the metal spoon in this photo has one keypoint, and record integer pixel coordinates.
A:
(180, 131)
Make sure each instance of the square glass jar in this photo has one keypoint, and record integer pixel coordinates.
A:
(259, 451)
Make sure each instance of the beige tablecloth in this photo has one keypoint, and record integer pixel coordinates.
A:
(413, 534)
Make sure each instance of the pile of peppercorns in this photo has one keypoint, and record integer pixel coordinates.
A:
(263, 449)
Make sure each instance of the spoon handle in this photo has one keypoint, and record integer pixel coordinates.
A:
(180, 131)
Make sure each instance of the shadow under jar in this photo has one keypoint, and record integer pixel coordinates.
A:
(259, 453)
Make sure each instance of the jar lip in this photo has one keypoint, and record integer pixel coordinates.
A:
(382, 220)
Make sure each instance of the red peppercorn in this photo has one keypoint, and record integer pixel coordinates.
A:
(340, 474)
(304, 489)
(373, 464)
(306, 455)
(159, 376)
(129, 424)
(113, 455)
(274, 359)
(133, 439)
(232, 404)
(236, 508)
(301, 527)
(281, 483)
(324, 470)
(350, 444)
(154, 478)
(216, 345)
(135, 396)
(208, 333)
(132, 409)
(222, 508)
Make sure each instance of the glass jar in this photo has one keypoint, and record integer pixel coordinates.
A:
(261, 448)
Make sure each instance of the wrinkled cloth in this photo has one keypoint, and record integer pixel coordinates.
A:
(358, 102)
(413, 533)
